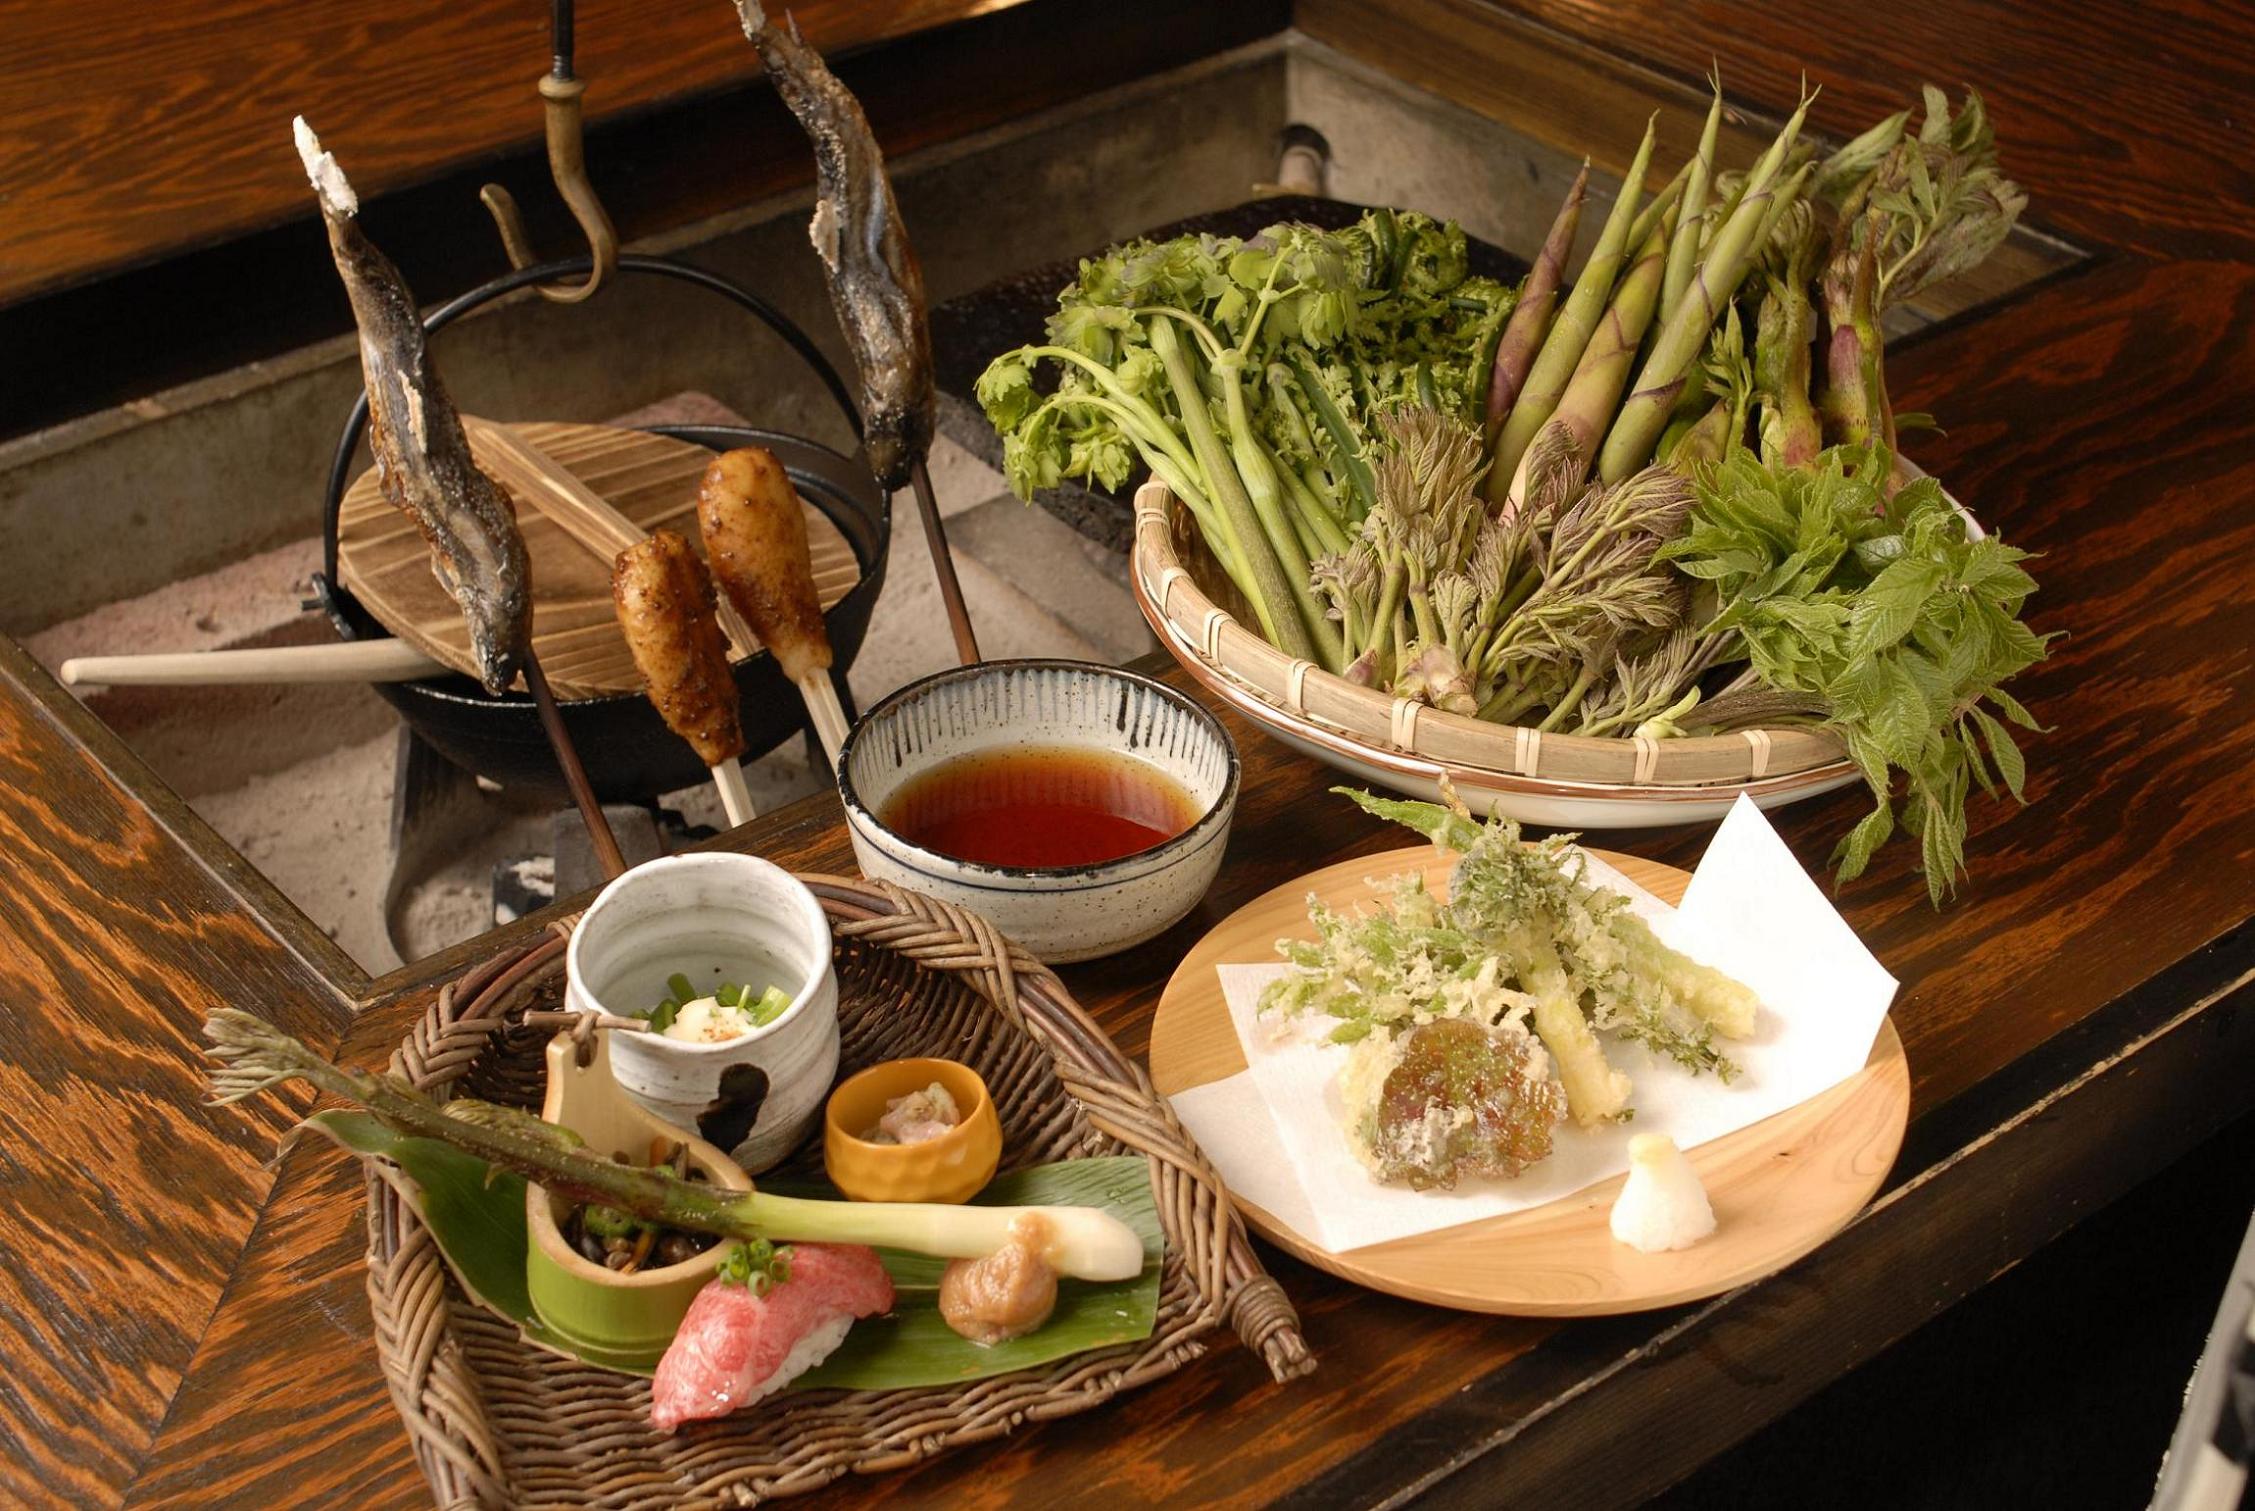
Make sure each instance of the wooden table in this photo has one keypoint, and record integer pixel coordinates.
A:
(177, 1331)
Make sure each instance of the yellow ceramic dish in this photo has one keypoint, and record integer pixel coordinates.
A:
(951, 1168)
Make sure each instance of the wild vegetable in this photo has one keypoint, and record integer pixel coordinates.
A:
(1246, 375)
(1891, 622)
(1491, 518)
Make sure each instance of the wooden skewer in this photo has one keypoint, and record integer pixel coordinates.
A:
(582, 513)
(595, 523)
(943, 566)
(347, 661)
(735, 797)
(575, 775)
(826, 712)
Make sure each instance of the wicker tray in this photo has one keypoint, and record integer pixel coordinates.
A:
(1196, 612)
(496, 1421)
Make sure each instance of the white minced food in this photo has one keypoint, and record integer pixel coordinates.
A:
(1662, 1206)
(705, 1021)
(820, 1342)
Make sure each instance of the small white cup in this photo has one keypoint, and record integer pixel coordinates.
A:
(714, 917)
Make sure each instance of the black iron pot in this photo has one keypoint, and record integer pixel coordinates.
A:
(629, 753)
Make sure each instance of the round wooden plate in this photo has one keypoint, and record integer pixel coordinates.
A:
(1779, 1188)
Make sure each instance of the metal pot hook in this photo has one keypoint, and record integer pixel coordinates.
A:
(560, 93)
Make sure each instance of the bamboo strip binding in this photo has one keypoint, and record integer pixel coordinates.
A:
(495, 1421)
(1194, 609)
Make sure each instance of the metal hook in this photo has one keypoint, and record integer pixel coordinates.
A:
(567, 165)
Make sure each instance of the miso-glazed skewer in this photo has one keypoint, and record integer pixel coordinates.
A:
(755, 537)
(670, 615)
(425, 470)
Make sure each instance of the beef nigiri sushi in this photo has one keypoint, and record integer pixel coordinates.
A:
(736, 1347)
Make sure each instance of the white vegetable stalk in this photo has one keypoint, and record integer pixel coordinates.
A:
(1085, 1243)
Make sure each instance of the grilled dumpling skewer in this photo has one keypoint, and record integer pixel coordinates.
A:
(755, 537)
(669, 613)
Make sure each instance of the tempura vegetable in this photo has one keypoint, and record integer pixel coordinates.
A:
(1523, 937)
(1449, 1099)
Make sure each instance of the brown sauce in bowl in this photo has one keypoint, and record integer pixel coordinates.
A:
(1039, 807)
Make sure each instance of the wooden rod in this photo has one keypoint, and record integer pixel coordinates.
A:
(345, 661)
(828, 714)
(575, 775)
(943, 565)
(735, 797)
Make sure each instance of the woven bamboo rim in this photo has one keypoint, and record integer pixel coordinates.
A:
(1178, 584)
(495, 1421)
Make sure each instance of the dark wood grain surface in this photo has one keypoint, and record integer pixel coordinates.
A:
(135, 130)
(2080, 1016)
(126, 1202)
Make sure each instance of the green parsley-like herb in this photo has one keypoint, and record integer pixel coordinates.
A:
(1246, 376)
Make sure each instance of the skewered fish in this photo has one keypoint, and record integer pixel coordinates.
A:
(668, 609)
(755, 536)
(423, 461)
(875, 284)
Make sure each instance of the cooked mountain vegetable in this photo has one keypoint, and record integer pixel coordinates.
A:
(253, 1055)
(1449, 1099)
(1524, 938)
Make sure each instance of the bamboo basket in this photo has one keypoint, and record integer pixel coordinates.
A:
(496, 1421)
(1546, 778)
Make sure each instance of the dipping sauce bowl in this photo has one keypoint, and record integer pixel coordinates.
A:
(1059, 913)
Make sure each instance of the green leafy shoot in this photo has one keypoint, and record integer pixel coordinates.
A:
(1893, 616)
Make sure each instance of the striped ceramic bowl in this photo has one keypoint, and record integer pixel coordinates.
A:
(1058, 913)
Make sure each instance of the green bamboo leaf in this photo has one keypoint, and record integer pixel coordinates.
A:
(477, 1214)
(480, 1228)
(914, 1346)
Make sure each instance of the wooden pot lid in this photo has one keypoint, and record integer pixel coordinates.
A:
(650, 479)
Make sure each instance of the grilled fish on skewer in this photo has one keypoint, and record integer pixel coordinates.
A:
(423, 461)
(875, 285)
(667, 607)
(755, 538)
